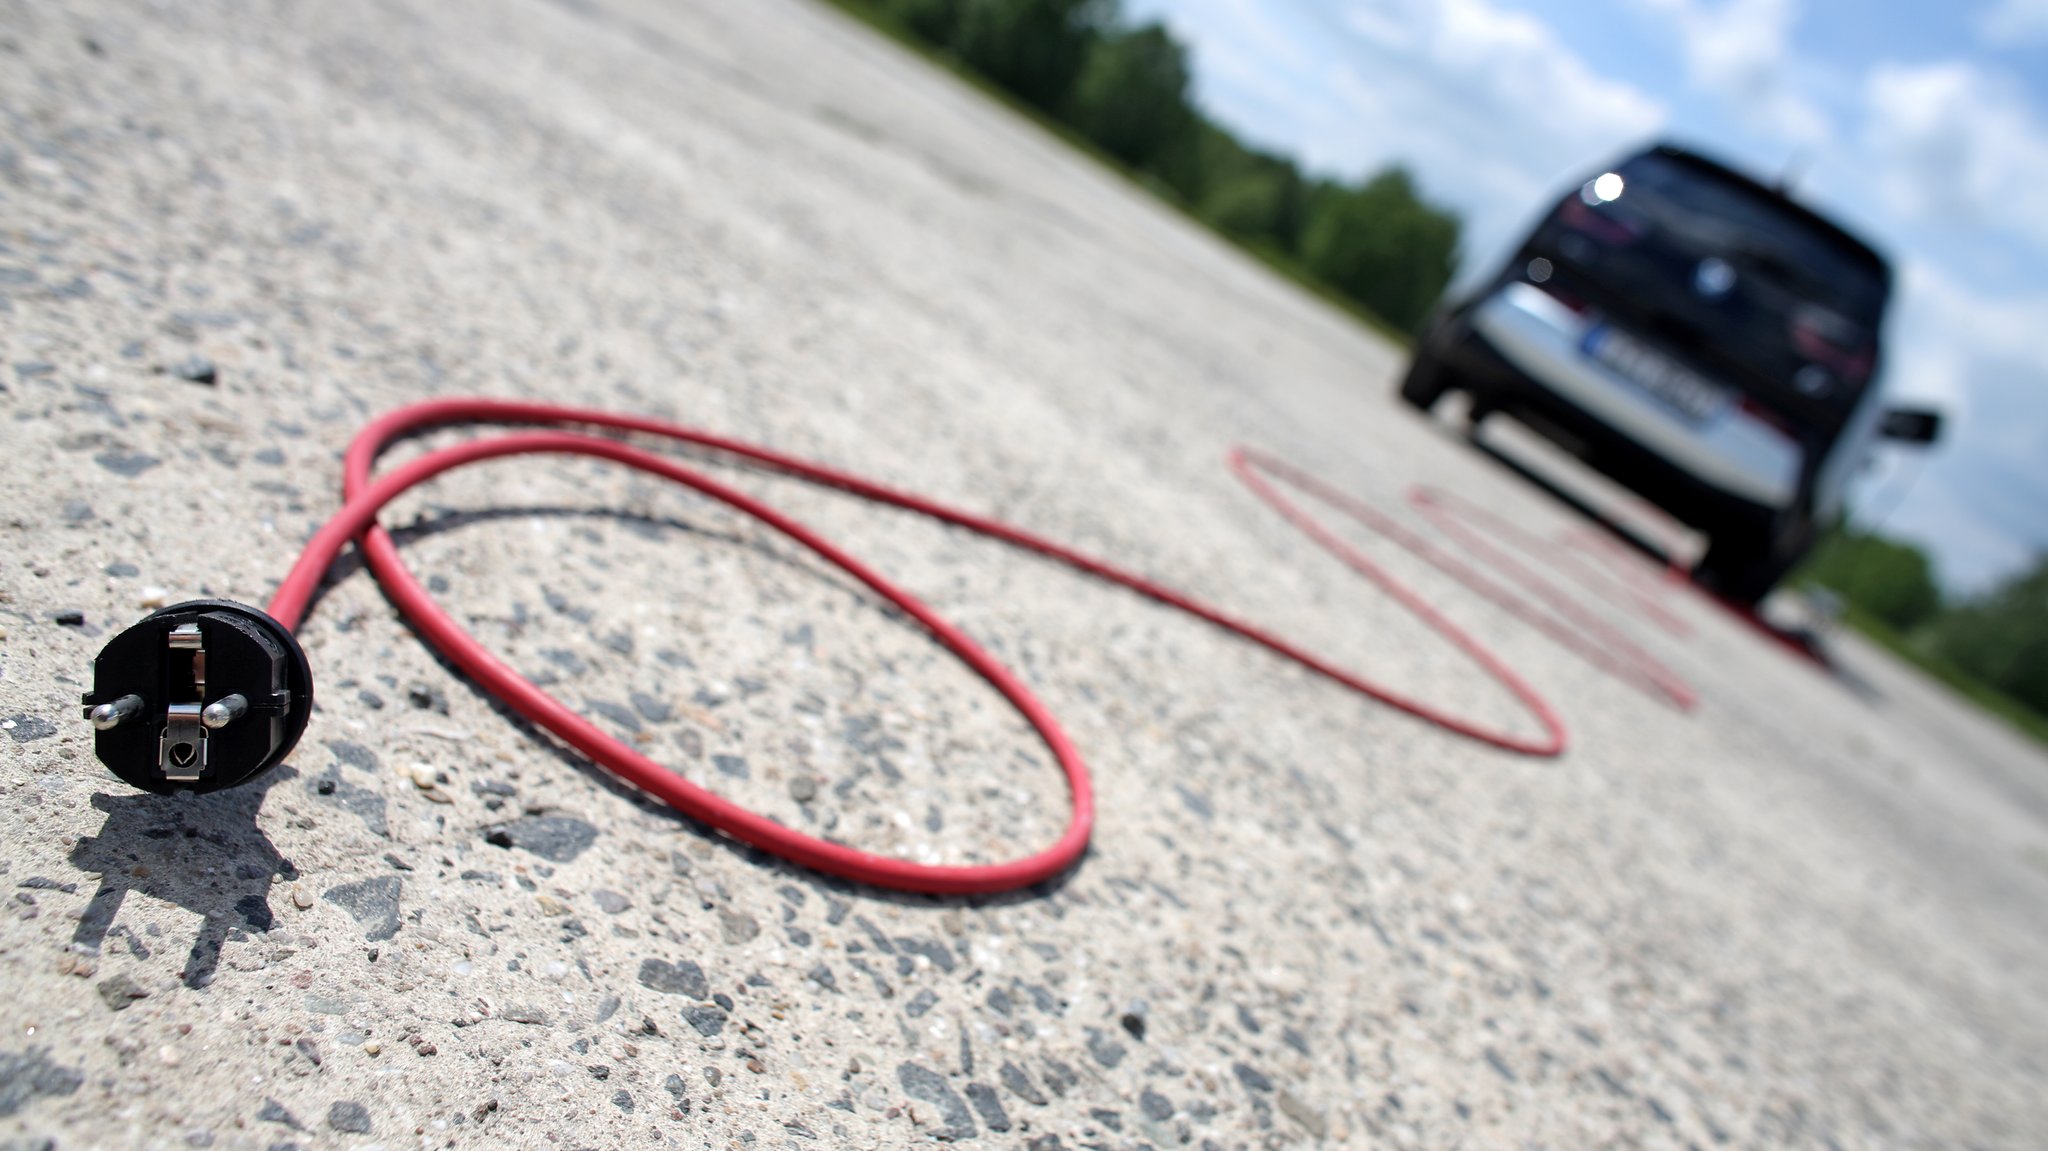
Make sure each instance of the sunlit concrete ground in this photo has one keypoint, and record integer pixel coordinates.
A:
(1809, 914)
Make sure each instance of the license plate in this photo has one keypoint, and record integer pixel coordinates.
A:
(1680, 388)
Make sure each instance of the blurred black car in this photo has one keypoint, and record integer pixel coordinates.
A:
(1700, 337)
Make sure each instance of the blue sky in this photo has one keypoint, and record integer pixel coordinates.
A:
(1922, 125)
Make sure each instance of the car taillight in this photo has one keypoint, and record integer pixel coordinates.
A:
(1821, 337)
(1581, 217)
(1764, 415)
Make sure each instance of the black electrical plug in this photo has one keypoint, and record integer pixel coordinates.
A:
(200, 696)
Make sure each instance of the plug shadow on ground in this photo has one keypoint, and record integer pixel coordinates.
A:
(204, 853)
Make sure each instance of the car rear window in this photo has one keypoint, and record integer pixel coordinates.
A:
(1759, 233)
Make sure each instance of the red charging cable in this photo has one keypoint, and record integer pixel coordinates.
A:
(1579, 629)
(364, 496)
(1600, 642)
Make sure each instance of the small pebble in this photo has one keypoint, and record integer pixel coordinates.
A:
(129, 464)
(28, 728)
(683, 977)
(1301, 1112)
(153, 597)
(557, 838)
(349, 1116)
(737, 926)
(275, 1112)
(121, 992)
(196, 369)
(372, 903)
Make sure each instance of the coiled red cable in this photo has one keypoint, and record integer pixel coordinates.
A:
(364, 496)
(1578, 629)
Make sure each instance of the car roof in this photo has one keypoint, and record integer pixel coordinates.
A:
(1779, 195)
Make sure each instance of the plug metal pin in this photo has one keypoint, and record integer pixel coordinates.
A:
(224, 711)
(109, 716)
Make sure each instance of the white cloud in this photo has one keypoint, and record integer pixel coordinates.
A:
(1528, 82)
(1382, 27)
(2011, 23)
(1957, 147)
(1740, 52)
(1487, 105)
(1519, 110)
(1985, 355)
(1971, 554)
(1984, 359)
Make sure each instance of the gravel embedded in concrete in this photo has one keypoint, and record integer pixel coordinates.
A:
(1807, 915)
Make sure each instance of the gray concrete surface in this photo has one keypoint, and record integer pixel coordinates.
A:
(1806, 916)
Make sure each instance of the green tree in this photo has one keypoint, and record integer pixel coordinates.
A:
(1035, 48)
(1131, 96)
(1382, 245)
(936, 21)
(2001, 638)
(1127, 90)
(1246, 193)
(1889, 580)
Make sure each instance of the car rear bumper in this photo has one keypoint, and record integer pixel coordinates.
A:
(1730, 451)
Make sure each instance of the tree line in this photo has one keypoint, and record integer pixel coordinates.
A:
(1124, 87)
(1998, 638)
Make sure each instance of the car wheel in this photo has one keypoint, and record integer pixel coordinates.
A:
(1425, 382)
(1743, 566)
